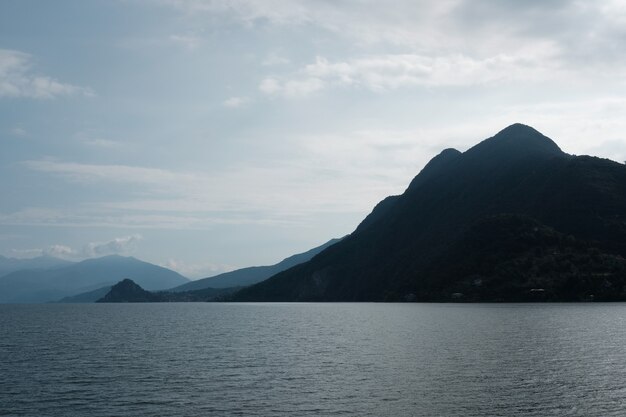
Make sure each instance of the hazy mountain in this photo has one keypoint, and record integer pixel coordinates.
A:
(248, 276)
(87, 297)
(512, 218)
(8, 265)
(53, 284)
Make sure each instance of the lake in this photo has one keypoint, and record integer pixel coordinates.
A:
(313, 359)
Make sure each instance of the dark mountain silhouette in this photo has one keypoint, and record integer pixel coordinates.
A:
(8, 265)
(513, 218)
(33, 286)
(127, 291)
(248, 276)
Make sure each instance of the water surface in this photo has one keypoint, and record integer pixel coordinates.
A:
(313, 359)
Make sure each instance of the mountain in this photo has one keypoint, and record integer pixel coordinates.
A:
(513, 218)
(8, 265)
(86, 297)
(248, 276)
(34, 286)
(127, 291)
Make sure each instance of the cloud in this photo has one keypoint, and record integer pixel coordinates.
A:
(381, 73)
(165, 214)
(409, 22)
(102, 143)
(275, 59)
(111, 173)
(275, 11)
(17, 79)
(189, 42)
(236, 102)
(120, 245)
(292, 88)
(94, 139)
(26, 253)
(117, 246)
(588, 37)
(245, 194)
(57, 251)
(241, 189)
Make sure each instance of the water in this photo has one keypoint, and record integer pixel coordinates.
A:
(313, 360)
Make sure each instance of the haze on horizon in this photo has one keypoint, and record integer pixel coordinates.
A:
(211, 135)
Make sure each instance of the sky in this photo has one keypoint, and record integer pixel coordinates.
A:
(209, 135)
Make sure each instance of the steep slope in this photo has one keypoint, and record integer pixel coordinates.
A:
(32, 286)
(248, 276)
(404, 247)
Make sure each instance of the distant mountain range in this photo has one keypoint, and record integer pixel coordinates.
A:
(8, 265)
(251, 275)
(63, 280)
(208, 288)
(514, 218)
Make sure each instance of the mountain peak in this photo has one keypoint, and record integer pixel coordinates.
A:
(519, 129)
(517, 140)
(127, 291)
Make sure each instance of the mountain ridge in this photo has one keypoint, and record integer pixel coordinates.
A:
(9, 265)
(53, 284)
(518, 171)
(252, 275)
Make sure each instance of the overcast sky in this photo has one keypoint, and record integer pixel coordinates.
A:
(210, 135)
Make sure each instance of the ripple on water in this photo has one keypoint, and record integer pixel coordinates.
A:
(313, 359)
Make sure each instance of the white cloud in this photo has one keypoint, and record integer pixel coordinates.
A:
(18, 80)
(26, 253)
(102, 143)
(276, 11)
(57, 251)
(390, 72)
(94, 139)
(587, 37)
(270, 86)
(119, 245)
(189, 42)
(166, 214)
(200, 200)
(60, 251)
(115, 173)
(275, 59)
(292, 88)
(236, 102)
(258, 189)
(426, 24)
